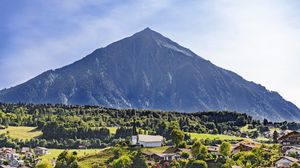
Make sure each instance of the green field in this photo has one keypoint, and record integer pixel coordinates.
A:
(261, 139)
(246, 129)
(214, 136)
(53, 153)
(99, 159)
(112, 130)
(21, 132)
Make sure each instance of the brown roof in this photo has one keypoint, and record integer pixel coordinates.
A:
(288, 158)
(147, 153)
(291, 134)
(213, 148)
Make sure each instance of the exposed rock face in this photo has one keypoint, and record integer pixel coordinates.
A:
(149, 71)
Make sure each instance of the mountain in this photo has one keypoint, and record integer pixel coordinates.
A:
(149, 71)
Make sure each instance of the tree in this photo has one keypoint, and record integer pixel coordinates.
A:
(199, 151)
(44, 164)
(196, 148)
(265, 122)
(225, 149)
(139, 161)
(198, 164)
(67, 160)
(293, 154)
(122, 162)
(295, 165)
(255, 134)
(275, 136)
(229, 163)
(175, 164)
(182, 144)
(185, 155)
(177, 136)
(203, 152)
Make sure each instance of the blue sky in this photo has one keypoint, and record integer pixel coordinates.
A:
(258, 39)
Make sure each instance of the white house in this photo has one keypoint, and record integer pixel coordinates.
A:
(147, 140)
(40, 151)
(285, 162)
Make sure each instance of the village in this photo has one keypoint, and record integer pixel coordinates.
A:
(289, 146)
(289, 143)
(13, 158)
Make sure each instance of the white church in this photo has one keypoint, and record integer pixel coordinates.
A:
(147, 140)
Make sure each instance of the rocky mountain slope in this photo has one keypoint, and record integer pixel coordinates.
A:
(149, 71)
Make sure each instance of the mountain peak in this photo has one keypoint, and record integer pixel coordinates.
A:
(147, 32)
(150, 71)
(147, 29)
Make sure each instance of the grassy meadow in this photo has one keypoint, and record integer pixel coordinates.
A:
(21, 132)
(214, 136)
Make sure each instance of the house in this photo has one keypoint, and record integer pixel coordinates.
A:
(12, 156)
(40, 151)
(5, 151)
(285, 162)
(16, 163)
(147, 140)
(246, 145)
(165, 157)
(168, 155)
(214, 150)
(290, 139)
(25, 149)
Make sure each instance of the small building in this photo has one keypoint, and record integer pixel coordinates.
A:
(12, 156)
(5, 151)
(25, 149)
(165, 157)
(41, 151)
(246, 145)
(290, 139)
(16, 163)
(147, 140)
(285, 162)
(214, 150)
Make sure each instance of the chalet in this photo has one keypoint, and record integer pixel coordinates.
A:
(147, 140)
(290, 139)
(40, 151)
(246, 145)
(285, 162)
(168, 155)
(214, 150)
(5, 150)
